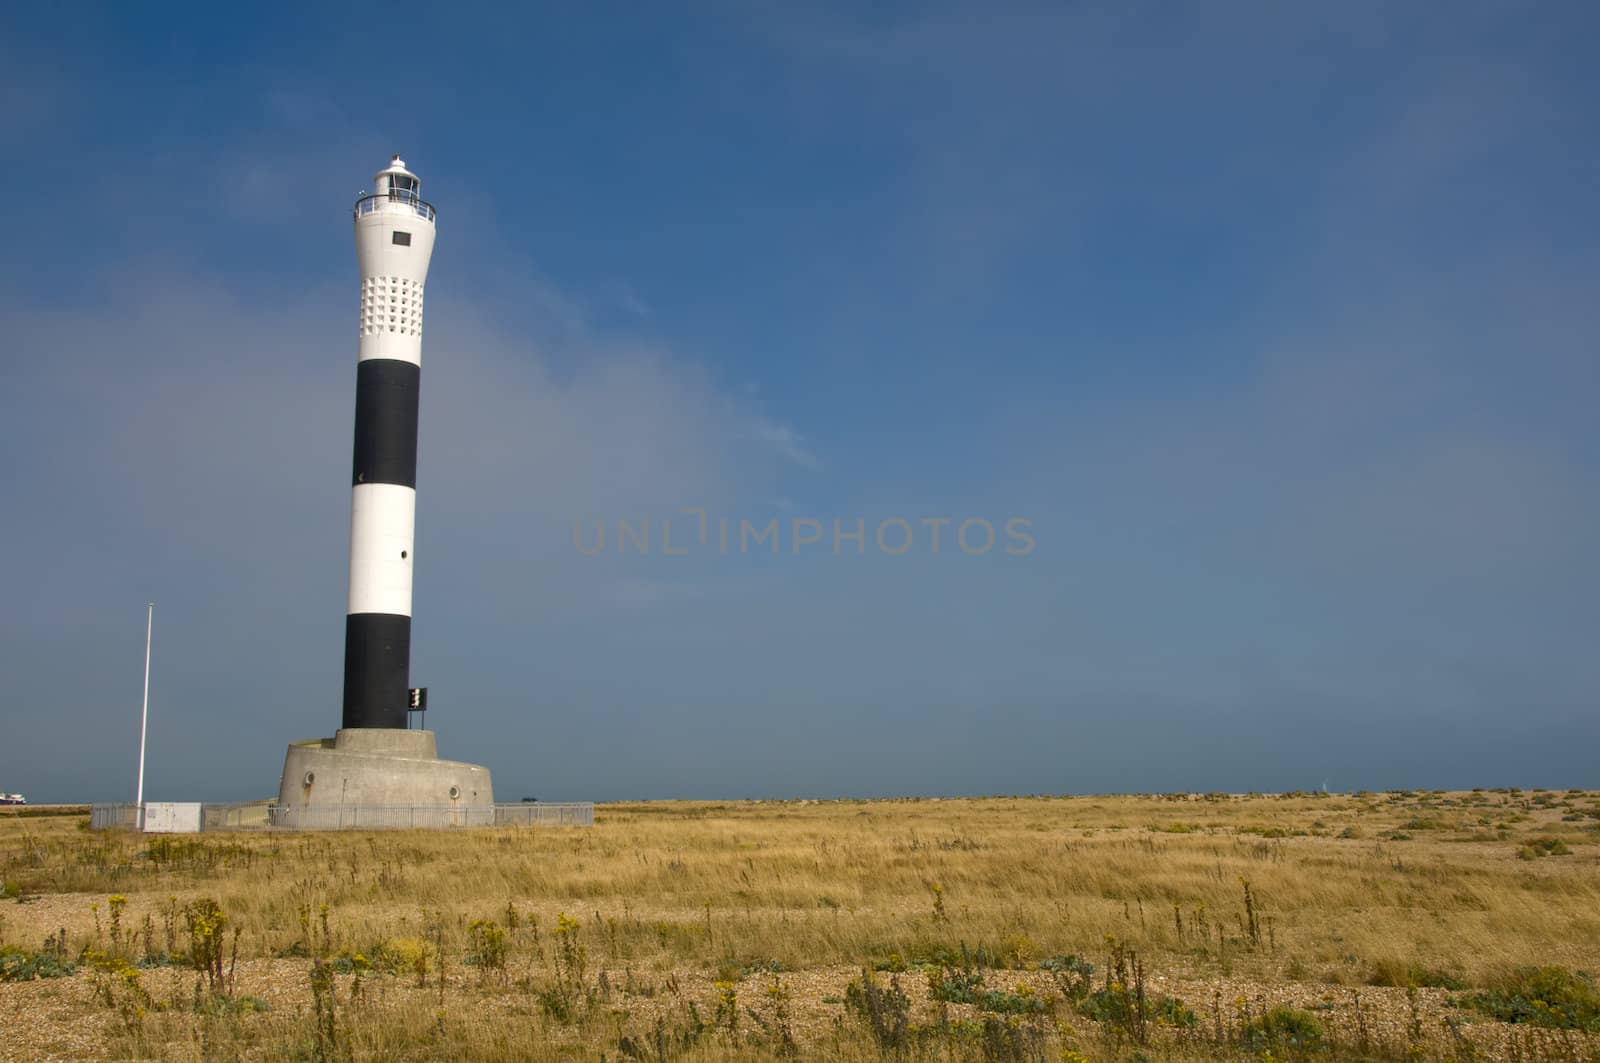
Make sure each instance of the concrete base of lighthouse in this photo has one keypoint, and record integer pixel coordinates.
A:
(375, 777)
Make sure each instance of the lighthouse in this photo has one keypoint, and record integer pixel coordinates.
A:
(376, 771)
(394, 228)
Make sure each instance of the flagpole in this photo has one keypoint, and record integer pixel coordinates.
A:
(144, 716)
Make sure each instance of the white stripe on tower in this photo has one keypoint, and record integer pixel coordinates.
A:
(381, 519)
(394, 231)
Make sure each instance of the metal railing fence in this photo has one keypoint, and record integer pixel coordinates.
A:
(258, 816)
(545, 814)
(379, 817)
(113, 816)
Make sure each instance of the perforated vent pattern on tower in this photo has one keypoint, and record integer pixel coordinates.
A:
(391, 305)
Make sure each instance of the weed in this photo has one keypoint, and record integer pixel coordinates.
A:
(1401, 974)
(886, 1013)
(116, 983)
(169, 924)
(234, 1006)
(1252, 924)
(727, 1015)
(1544, 846)
(960, 986)
(571, 956)
(486, 948)
(20, 965)
(116, 903)
(1124, 1006)
(401, 956)
(207, 943)
(940, 915)
(780, 1024)
(664, 1042)
(1542, 996)
(1073, 975)
(436, 932)
(325, 1043)
(1283, 1031)
(1018, 951)
(1011, 1040)
(1021, 1000)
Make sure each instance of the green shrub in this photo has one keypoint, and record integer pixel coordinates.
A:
(554, 1003)
(1549, 847)
(218, 1004)
(1011, 1041)
(1542, 996)
(931, 954)
(1072, 973)
(1117, 1006)
(1020, 1001)
(486, 946)
(962, 986)
(1285, 1030)
(20, 965)
(1402, 974)
(347, 962)
(1018, 951)
(399, 955)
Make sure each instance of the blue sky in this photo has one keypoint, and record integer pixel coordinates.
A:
(1277, 323)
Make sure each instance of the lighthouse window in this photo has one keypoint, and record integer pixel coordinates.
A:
(403, 239)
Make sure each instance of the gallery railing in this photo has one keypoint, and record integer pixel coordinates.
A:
(374, 202)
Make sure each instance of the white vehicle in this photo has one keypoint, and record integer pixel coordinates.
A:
(12, 799)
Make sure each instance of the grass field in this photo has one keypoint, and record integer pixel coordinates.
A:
(1311, 926)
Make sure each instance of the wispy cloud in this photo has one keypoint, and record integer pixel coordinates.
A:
(631, 302)
(788, 443)
(636, 595)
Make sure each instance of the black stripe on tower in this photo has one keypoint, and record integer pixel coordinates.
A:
(377, 669)
(386, 422)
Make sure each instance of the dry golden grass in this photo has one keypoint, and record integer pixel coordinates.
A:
(679, 906)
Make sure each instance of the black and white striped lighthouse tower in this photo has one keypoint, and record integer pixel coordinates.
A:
(394, 228)
(375, 770)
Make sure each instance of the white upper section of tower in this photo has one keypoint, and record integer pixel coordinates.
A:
(394, 241)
